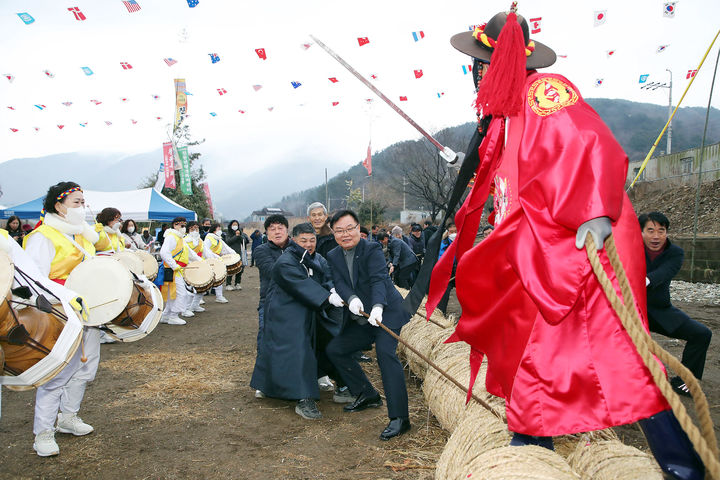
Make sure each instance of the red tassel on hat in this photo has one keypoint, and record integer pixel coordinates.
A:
(500, 93)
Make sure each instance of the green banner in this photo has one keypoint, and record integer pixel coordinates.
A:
(185, 183)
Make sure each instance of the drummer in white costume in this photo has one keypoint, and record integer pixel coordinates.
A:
(198, 246)
(215, 244)
(176, 255)
(58, 245)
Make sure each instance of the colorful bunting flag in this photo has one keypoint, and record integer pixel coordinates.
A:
(126, 66)
(374, 77)
(156, 97)
(367, 163)
(305, 46)
(535, 25)
(295, 84)
(610, 53)
(417, 36)
(83, 124)
(14, 130)
(67, 104)
(466, 69)
(170, 62)
(440, 94)
(213, 114)
(690, 74)
(669, 9)
(361, 40)
(598, 82)
(562, 56)
(131, 5)
(418, 73)
(403, 98)
(193, 3)
(78, 14)
(643, 78)
(108, 122)
(37, 129)
(600, 17)
(133, 121)
(40, 107)
(261, 53)
(87, 71)
(241, 111)
(221, 91)
(257, 87)
(472, 27)
(26, 17)
(333, 79)
(270, 109)
(9, 77)
(11, 108)
(124, 99)
(335, 104)
(662, 48)
(60, 126)
(49, 74)
(96, 102)
(214, 57)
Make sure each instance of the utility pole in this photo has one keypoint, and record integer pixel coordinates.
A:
(404, 193)
(670, 110)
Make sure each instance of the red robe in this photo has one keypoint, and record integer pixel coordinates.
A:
(556, 350)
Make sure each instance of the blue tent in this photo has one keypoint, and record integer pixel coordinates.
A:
(139, 205)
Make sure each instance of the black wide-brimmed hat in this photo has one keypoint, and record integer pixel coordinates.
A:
(480, 43)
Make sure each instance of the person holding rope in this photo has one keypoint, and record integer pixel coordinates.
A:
(361, 278)
(59, 244)
(556, 350)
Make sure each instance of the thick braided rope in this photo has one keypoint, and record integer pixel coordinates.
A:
(705, 444)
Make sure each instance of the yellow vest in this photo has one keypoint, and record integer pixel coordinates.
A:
(67, 255)
(215, 246)
(108, 241)
(181, 252)
(198, 248)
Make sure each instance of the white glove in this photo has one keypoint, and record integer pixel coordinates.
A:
(647, 281)
(600, 228)
(335, 299)
(356, 306)
(375, 316)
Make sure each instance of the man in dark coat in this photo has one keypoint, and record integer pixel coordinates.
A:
(257, 240)
(428, 231)
(403, 261)
(361, 279)
(317, 215)
(663, 261)
(286, 366)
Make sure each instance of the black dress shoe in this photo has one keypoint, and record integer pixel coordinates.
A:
(397, 426)
(364, 401)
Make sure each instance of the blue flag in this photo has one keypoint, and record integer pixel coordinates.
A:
(87, 70)
(193, 3)
(214, 57)
(296, 84)
(643, 78)
(26, 17)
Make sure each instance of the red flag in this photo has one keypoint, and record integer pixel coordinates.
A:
(78, 14)
(403, 99)
(418, 73)
(333, 79)
(169, 165)
(690, 74)
(126, 66)
(367, 163)
(206, 189)
(261, 53)
(335, 104)
(60, 126)
(363, 41)
(221, 91)
(373, 76)
(13, 129)
(535, 25)
(241, 111)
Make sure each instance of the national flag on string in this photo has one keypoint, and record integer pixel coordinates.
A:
(367, 163)
(131, 5)
(37, 129)
(9, 77)
(369, 100)
(333, 79)
(87, 71)
(241, 111)
(295, 84)
(156, 97)
(335, 104)
(170, 61)
(221, 91)
(598, 82)
(466, 69)
(257, 87)
(472, 27)
(440, 94)
(96, 102)
(124, 99)
(643, 78)
(133, 121)
(126, 66)
(83, 124)
(40, 107)
(610, 53)
(691, 73)
(108, 122)
(213, 114)
(600, 17)
(214, 57)
(535, 25)
(78, 14)
(669, 9)
(562, 56)
(662, 48)
(49, 74)
(417, 36)
(193, 3)
(305, 46)
(363, 41)
(261, 53)
(403, 98)
(11, 108)
(270, 109)
(61, 126)
(14, 130)
(67, 104)
(418, 73)
(26, 17)
(160, 118)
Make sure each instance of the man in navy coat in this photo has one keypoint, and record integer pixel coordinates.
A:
(663, 261)
(361, 279)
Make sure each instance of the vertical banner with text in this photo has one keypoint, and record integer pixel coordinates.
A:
(206, 189)
(180, 102)
(185, 183)
(169, 165)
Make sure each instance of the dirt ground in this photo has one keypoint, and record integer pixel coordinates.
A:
(177, 405)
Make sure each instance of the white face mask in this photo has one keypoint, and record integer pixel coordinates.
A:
(194, 235)
(131, 230)
(218, 233)
(75, 215)
(181, 230)
(116, 226)
(234, 227)
(452, 236)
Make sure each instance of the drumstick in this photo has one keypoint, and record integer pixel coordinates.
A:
(101, 304)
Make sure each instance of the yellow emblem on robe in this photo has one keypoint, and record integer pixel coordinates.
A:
(547, 95)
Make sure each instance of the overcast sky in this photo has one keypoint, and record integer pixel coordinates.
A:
(303, 119)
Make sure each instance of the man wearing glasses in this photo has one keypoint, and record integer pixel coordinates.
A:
(361, 279)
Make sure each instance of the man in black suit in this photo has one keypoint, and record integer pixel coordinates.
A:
(663, 261)
(403, 261)
(361, 279)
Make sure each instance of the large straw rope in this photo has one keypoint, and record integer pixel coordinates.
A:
(518, 463)
(613, 460)
(705, 443)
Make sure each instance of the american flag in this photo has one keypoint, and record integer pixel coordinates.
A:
(131, 5)
(170, 61)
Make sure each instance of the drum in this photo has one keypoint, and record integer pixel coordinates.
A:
(105, 284)
(199, 275)
(219, 271)
(150, 264)
(233, 262)
(131, 261)
(36, 345)
(141, 315)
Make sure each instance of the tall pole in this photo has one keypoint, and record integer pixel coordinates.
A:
(702, 159)
(403, 193)
(327, 199)
(670, 110)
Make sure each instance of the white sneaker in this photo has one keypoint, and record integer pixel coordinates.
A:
(198, 309)
(105, 338)
(45, 444)
(174, 320)
(221, 300)
(187, 313)
(229, 288)
(259, 394)
(71, 423)
(238, 287)
(325, 384)
(202, 302)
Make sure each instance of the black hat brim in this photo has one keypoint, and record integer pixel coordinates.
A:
(543, 56)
